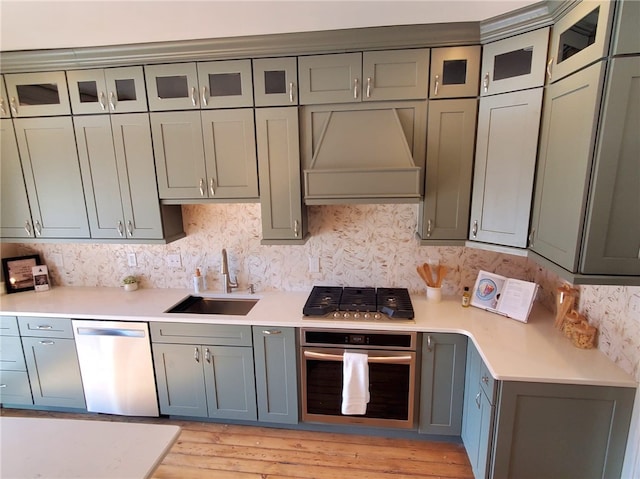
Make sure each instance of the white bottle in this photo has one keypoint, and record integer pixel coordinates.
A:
(198, 282)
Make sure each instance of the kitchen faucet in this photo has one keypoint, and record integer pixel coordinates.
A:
(224, 271)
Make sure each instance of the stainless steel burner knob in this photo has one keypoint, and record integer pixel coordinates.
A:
(367, 315)
(336, 315)
(346, 315)
(356, 315)
(377, 316)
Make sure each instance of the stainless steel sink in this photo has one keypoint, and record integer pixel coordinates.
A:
(200, 305)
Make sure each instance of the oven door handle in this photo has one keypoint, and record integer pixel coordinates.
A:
(370, 359)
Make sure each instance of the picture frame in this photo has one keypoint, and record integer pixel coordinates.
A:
(18, 273)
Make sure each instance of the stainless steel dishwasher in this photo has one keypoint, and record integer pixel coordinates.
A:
(116, 367)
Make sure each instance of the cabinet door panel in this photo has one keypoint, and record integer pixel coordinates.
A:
(52, 175)
(5, 112)
(100, 176)
(38, 94)
(230, 152)
(515, 63)
(225, 84)
(179, 154)
(172, 87)
(275, 81)
(180, 379)
(612, 240)
(11, 355)
(136, 174)
(564, 164)
(15, 219)
(450, 146)
(15, 388)
(88, 91)
(330, 78)
(54, 372)
(125, 89)
(505, 166)
(455, 72)
(280, 182)
(395, 75)
(230, 382)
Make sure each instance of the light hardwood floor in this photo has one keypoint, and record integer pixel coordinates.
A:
(223, 451)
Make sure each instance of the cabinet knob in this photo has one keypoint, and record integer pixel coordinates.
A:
(485, 379)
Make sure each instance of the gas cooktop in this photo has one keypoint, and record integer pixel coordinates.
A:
(335, 302)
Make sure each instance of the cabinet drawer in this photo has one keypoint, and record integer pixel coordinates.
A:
(9, 326)
(487, 383)
(14, 388)
(212, 334)
(11, 356)
(43, 327)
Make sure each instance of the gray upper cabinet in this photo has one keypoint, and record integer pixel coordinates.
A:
(275, 81)
(580, 37)
(506, 150)
(119, 178)
(15, 214)
(515, 63)
(367, 76)
(454, 72)
(274, 351)
(188, 86)
(209, 154)
(4, 100)
(451, 130)
(569, 125)
(110, 90)
(52, 176)
(612, 234)
(284, 219)
(626, 38)
(37, 94)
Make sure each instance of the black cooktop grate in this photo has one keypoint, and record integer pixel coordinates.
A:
(393, 302)
(322, 300)
(358, 299)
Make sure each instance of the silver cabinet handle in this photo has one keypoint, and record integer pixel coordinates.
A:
(436, 85)
(3, 109)
(196, 355)
(368, 87)
(478, 400)
(269, 332)
(296, 228)
(112, 100)
(44, 326)
(474, 231)
(207, 355)
(205, 99)
(355, 88)
(27, 228)
(429, 344)
(47, 342)
(212, 190)
(290, 92)
(3, 386)
(201, 186)
(13, 105)
(130, 228)
(485, 83)
(549, 68)
(194, 97)
(120, 229)
(428, 228)
(531, 237)
(38, 228)
(103, 104)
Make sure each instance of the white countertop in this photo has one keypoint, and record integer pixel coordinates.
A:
(513, 351)
(70, 448)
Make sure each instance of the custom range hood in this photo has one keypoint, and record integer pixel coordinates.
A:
(363, 153)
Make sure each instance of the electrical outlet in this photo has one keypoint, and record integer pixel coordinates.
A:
(56, 259)
(314, 264)
(131, 259)
(174, 261)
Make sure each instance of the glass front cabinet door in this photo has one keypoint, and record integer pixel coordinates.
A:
(515, 63)
(37, 94)
(111, 90)
(454, 72)
(275, 81)
(4, 100)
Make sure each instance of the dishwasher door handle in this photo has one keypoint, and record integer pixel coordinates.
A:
(130, 333)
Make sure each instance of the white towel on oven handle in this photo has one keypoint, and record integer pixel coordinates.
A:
(355, 384)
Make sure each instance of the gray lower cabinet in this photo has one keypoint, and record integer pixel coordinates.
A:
(208, 154)
(49, 159)
(451, 130)
(204, 370)
(284, 218)
(506, 150)
(119, 179)
(274, 352)
(52, 362)
(568, 131)
(442, 380)
(14, 380)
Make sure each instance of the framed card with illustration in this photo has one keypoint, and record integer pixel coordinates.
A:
(18, 272)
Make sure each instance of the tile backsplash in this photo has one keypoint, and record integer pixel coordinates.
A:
(355, 245)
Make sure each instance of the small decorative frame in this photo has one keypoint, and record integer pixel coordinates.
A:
(18, 273)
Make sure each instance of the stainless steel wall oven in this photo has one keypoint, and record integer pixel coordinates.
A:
(392, 375)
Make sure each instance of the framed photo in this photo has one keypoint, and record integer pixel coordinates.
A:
(18, 273)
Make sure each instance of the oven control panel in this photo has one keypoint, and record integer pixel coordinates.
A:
(369, 339)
